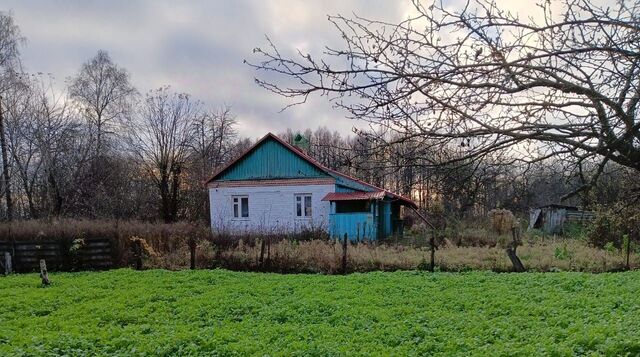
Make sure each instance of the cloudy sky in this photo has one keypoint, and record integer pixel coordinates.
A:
(195, 46)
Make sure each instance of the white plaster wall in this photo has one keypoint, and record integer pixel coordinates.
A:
(271, 209)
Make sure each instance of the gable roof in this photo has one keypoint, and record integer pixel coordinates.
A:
(313, 162)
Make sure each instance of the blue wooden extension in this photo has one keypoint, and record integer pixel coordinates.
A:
(357, 226)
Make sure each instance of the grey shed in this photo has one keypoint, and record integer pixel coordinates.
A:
(552, 218)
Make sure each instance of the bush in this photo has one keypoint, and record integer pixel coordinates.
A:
(612, 224)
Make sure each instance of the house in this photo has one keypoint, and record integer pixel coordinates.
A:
(551, 218)
(274, 187)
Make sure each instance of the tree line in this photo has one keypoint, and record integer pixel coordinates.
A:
(100, 148)
(463, 188)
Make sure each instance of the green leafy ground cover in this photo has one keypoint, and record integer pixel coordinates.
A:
(157, 312)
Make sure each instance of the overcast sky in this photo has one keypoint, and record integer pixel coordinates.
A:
(195, 46)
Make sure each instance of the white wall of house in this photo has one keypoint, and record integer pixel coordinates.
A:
(272, 209)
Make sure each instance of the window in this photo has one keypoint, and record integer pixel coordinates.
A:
(240, 206)
(303, 205)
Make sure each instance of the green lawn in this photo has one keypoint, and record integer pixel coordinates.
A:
(406, 313)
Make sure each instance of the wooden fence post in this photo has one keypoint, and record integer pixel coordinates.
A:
(263, 245)
(269, 251)
(344, 254)
(7, 263)
(43, 273)
(432, 244)
(192, 249)
(137, 249)
(628, 248)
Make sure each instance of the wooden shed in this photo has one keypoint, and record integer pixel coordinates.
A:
(552, 218)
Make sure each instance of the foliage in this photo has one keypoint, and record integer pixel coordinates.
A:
(218, 312)
(612, 224)
(575, 230)
(563, 252)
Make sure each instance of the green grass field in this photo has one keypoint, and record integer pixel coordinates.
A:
(156, 312)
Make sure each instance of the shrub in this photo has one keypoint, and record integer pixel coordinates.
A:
(612, 224)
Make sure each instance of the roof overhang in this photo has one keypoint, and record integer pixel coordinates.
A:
(367, 196)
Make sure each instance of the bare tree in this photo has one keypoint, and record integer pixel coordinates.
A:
(214, 132)
(214, 139)
(558, 84)
(160, 139)
(10, 40)
(20, 127)
(63, 146)
(104, 94)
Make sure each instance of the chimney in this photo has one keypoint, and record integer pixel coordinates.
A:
(301, 142)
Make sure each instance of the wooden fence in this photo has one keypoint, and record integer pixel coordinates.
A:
(94, 254)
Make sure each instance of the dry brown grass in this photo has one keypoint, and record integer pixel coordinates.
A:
(325, 257)
(171, 248)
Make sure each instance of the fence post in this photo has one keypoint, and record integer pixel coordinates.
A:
(344, 254)
(628, 248)
(192, 249)
(263, 244)
(7, 263)
(137, 251)
(43, 272)
(269, 251)
(432, 244)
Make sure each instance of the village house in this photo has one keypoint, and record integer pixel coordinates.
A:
(275, 187)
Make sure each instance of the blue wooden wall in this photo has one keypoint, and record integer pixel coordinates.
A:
(271, 160)
(357, 226)
(385, 211)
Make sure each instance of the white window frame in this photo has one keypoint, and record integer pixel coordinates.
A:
(236, 207)
(300, 198)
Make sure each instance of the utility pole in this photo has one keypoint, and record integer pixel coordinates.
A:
(5, 166)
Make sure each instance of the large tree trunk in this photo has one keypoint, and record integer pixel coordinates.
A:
(165, 206)
(55, 196)
(511, 252)
(175, 190)
(5, 166)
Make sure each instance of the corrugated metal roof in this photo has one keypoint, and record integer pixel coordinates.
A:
(354, 196)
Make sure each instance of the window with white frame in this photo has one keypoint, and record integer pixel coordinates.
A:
(303, 205)
(240, 206)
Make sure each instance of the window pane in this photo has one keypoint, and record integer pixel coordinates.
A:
(299, 208)
(235, 209)
(244, 201)
(307, 206)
